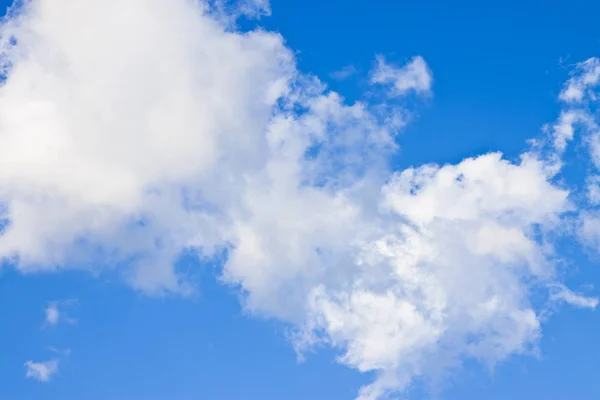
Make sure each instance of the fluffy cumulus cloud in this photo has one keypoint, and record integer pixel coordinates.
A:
(41, 371)
(110, 137)
(133, 130)
(449, 276)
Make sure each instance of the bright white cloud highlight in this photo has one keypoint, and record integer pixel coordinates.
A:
(41, 371)
(160, 130)
(447, 278)
(99, 130)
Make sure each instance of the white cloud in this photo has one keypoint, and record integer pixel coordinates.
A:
(447, 279)
(586, 75)
(146, 136)
(579, 118)
(566, 295)
(344, 73)
(61, 352)
(593, 189)
(414, 76)
(103, 130)
(564, 129)
(590, 228)
(228, 11)
(55, 312)
(41, 371)
(52, 314)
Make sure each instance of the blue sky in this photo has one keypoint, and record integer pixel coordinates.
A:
(147, 311)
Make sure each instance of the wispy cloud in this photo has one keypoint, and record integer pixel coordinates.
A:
(52, 314)
(42, 371)
(566, 295)
(413, 76)
(60, 352)
(55, 313)
(585, 76)
(344, 73)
